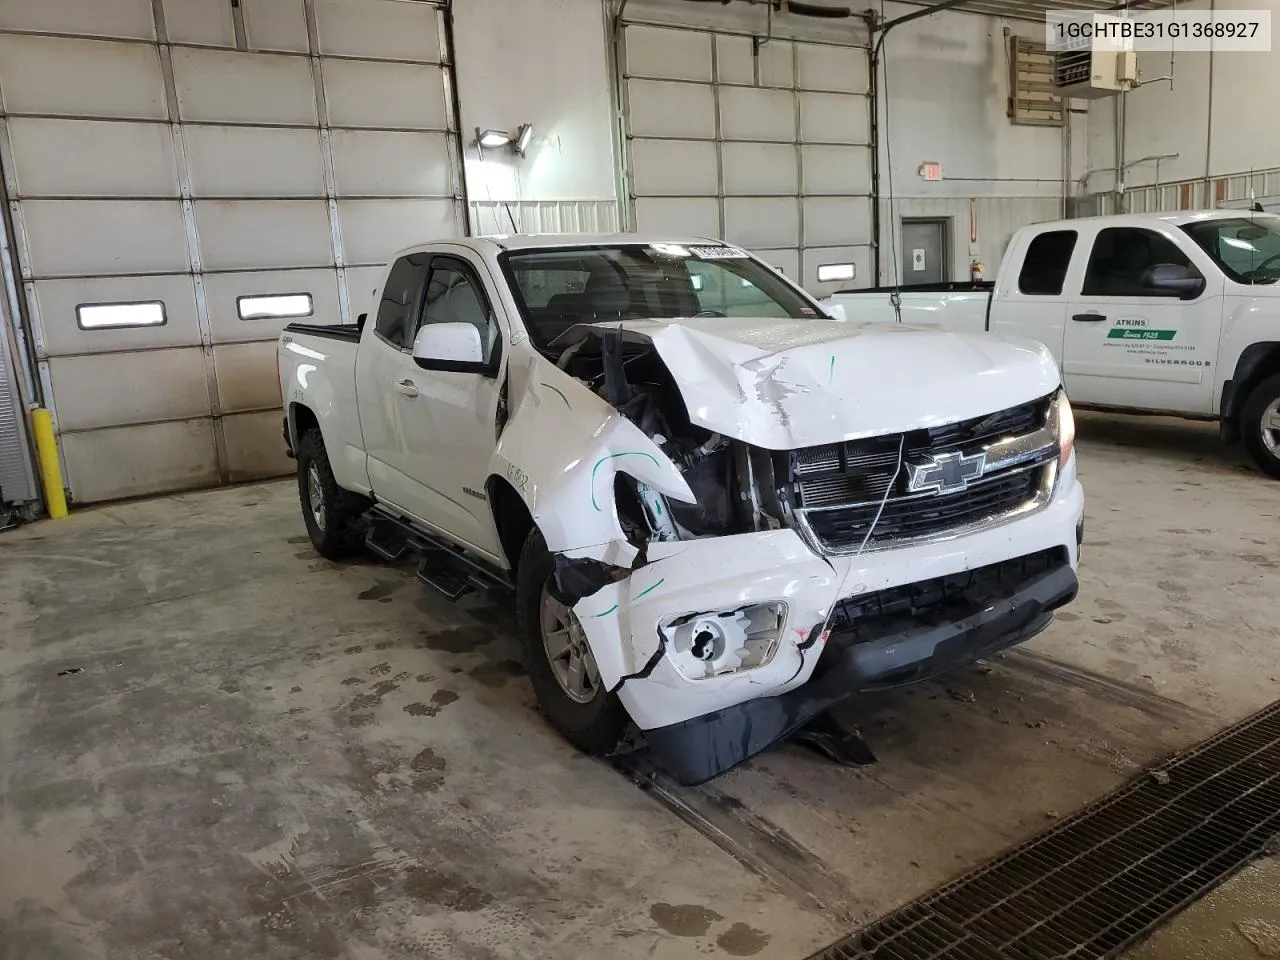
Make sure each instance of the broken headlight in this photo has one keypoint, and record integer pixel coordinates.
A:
(705, 645)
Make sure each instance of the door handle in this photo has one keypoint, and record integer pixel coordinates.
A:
(1088, 317)
(407, 388)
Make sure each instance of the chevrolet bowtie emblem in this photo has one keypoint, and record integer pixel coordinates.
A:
(945, 472)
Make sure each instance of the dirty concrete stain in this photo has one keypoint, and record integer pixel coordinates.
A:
(741, 940)
(683, 919)
(1263, 935)
(380, 670)
(374, 697)
(299, 540)
(425, 677)
(384, 645)
(360, 719)
(351, 681)
(445, 889)
(427, 759)
(452, 641)
(295, 689)
(496, 673)
(229, 687)
(439, 700)
(355, 649)
(379, 591)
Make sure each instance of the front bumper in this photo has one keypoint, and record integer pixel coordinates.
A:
(622, 619)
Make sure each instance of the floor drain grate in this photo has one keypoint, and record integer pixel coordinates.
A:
(1106, 876)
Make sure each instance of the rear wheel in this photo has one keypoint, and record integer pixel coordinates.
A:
(1260, 423)
(333, 516)
(559, 660)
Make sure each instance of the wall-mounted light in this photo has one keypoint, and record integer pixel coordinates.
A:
(523, 138)
(494, 139)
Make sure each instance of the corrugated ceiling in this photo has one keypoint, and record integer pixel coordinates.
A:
(1033, 10)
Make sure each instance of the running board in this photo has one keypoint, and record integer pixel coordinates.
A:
(441, 564)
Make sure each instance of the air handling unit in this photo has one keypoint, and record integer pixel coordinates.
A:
(1091, 66)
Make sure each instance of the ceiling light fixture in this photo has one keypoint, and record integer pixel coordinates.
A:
(523, 138)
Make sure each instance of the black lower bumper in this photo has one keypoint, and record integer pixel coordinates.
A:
(705, 747)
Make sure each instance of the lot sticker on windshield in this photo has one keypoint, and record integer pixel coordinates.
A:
(718, 253)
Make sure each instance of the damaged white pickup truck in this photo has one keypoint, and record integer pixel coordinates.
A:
(722, 511)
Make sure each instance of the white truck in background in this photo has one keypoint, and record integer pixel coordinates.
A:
(721, 511)
(1176, 314)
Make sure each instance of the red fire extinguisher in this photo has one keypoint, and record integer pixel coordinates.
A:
(975, 270)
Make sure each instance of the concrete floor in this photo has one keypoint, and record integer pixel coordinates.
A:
(214, 744)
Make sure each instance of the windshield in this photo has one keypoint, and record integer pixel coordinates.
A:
(1247, 250)
(556, 289)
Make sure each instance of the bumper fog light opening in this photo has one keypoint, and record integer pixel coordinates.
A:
(715, 643)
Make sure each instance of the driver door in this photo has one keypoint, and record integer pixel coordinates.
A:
(449, 425)
(1128, 344)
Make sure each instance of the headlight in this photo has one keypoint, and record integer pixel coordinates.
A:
(1066, 427)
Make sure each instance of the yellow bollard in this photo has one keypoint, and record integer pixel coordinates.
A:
(50, 468)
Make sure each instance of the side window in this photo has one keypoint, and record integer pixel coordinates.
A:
(452, 297)
(1045, 268)
(401, 297)
(1121, 257)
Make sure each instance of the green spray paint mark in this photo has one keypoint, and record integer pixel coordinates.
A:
(648, 590)
(1123, 333)
(614, 456)
(657, 508)
(562, 396)
(607, 612)
(831, 372)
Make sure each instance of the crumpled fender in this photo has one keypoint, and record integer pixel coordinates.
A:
(561, 449)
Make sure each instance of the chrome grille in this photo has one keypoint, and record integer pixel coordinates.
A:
(839, 487)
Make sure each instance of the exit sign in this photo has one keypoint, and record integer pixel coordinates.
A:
(929, 170)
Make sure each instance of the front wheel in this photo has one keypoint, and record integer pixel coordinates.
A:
(559, 660)
(1260, 423)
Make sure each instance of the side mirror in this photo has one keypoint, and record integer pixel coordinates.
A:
(835, 311)
(1173, 280)
(446, 346)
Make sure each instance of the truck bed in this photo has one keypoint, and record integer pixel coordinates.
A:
(961, 307)
(333, 331)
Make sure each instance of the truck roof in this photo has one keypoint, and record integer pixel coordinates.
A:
(545, 241)
(1175, 218)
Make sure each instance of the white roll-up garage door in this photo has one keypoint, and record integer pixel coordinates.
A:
(762, 143)
(187, 176)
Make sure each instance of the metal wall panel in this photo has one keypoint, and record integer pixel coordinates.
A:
(127, 19)
(254, 162)
(750, 113)
(373, 230)
(223, 290)
(73, 238)
(674, 168)
(227, 86)
(57, 301)
(757, 169)
(247, 376)
(396, 95)
(382, 163)
(275, 25)
(79, 158)
(762, 142)
(54, 76)
(113, 389)
(669, 54)
(243, 234)
(269, 161)
(199, 21)
(135, 461)
(683, 110)
(378, 30)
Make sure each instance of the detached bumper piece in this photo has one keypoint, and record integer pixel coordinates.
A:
(879, 641)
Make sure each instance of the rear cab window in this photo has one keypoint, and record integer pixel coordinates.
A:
(1044, 269)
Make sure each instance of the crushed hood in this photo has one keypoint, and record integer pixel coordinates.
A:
(784, 383)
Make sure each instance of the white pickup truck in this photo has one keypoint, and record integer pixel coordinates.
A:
(721, 511)
(1176, 313)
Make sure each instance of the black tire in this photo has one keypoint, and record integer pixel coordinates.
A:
(594, 727)
(341, 532)
(1258, 404)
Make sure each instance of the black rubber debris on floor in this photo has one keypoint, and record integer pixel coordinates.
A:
(1105, 877)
